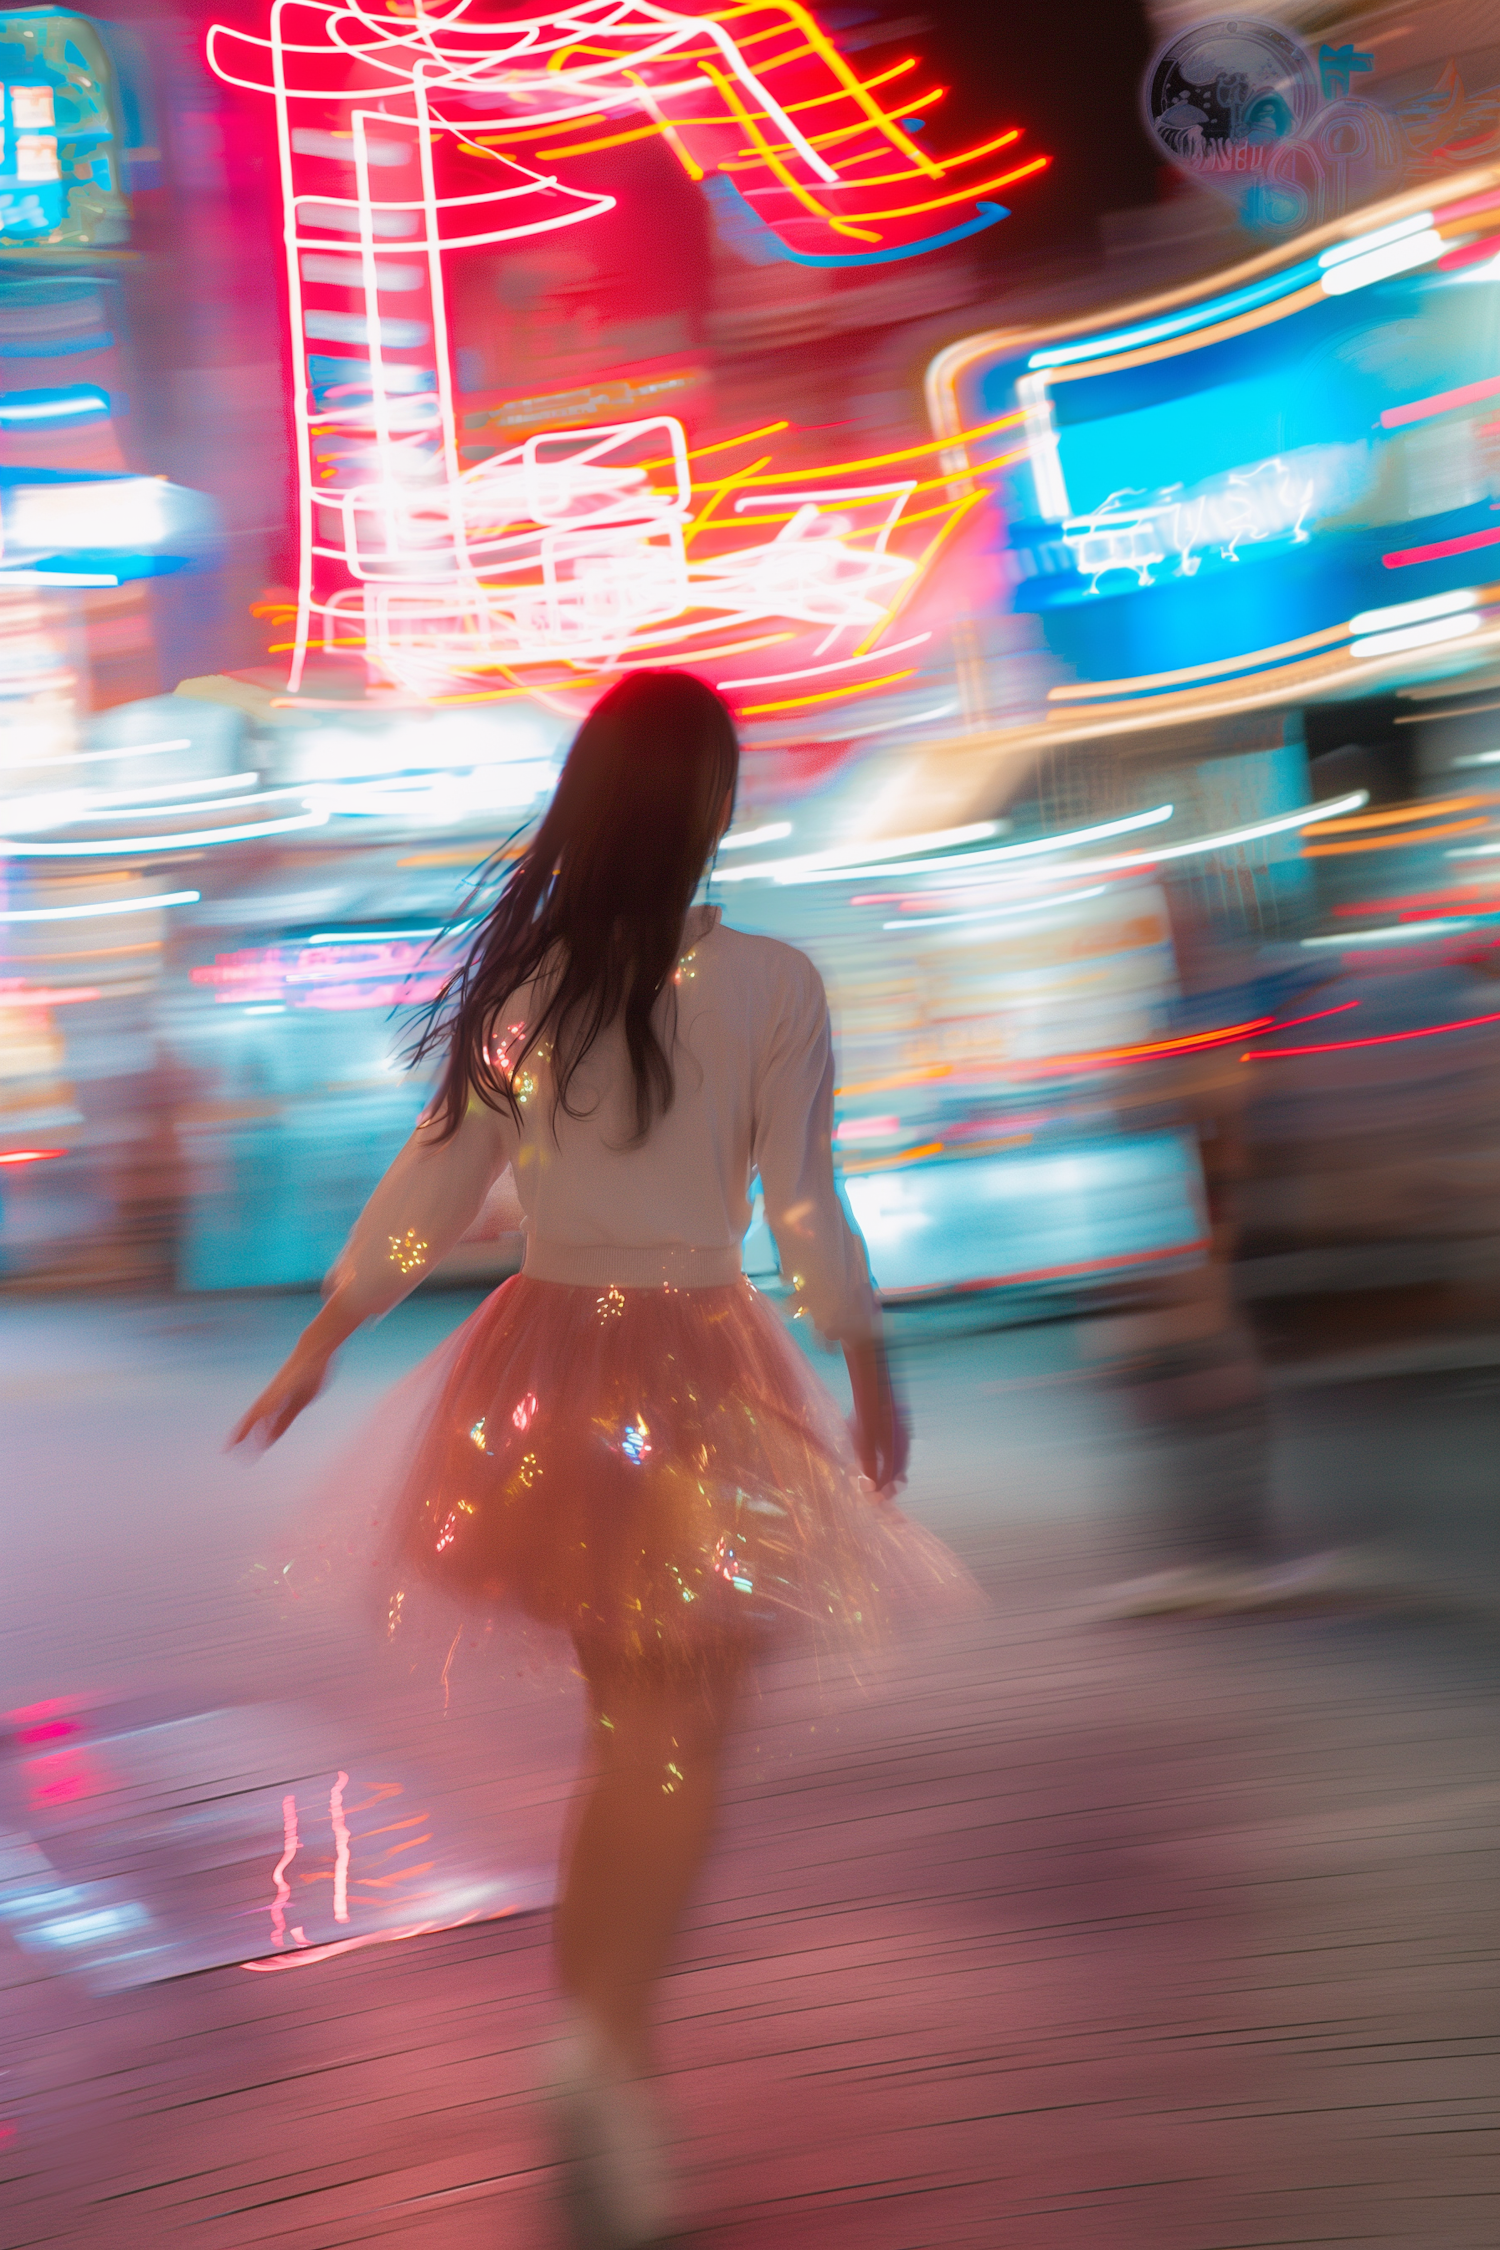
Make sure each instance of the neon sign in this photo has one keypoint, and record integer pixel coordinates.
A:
(407, 134)
(1314, 421)
(1215, 518)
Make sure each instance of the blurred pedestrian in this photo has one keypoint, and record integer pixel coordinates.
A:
(623, 1442)
(1188, 1360)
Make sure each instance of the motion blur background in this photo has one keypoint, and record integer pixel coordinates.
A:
(1109, 592)
(1217, 578)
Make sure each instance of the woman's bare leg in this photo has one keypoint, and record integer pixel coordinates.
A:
(640, 1834)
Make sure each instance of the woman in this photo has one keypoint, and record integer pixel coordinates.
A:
(622, 1441)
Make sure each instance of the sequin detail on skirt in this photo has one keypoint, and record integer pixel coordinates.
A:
(651, 1468)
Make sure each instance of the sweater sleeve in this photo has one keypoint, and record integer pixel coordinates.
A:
(425, 1204)
(822, 1256)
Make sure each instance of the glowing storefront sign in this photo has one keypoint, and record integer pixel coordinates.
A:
(59, 158)
(1306, 425)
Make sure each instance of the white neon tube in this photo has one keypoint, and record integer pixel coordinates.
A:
(105, 906)
(819, 870)
(97, 847)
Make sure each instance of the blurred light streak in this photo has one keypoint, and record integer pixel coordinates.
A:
(47, 813)
(958, 515)
(289, 1845)
(1410, 933)
(448, 1662)
(1406, 842)
(1428, 635)
(14, 995)
(1172, 325)
(131, 750)
(822, 868)
(385, 937)
(1377, 1039)
(1289, 1023)
(772, 833)
(105, 906)
(1388, 817)
(988, 215)
(1376, 239)
(13, 577)
(1047, 1066)
(58, 406)
(1282, 825)
(1441, 402)
(98, 846)
(1413, 249)
(834, 858)
(1215, 671)
(831, 695)
(341, 1849)
(112, 800)
(649, 659)
(1474, 261)
(1195, 1248)
(315, 1953)
(1431, 607)
(31, 1155)
(1454, 894)
(943, 203)
(881, 726)
(996, 914)
(1466, 543)
(837, 664)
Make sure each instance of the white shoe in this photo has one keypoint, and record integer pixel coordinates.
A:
(618, 2187)
(1342, 1579)
(1191, 1590)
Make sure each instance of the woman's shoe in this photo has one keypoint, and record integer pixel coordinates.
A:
(617, 2184)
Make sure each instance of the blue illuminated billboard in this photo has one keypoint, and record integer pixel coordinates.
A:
(1288, 472)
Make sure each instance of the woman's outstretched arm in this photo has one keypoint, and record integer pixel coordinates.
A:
(426, 1202)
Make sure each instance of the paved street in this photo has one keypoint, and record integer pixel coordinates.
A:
(1046, 1932)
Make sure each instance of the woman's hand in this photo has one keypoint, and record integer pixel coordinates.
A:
(298, 1381)
(294, 1385)
(881, 1437)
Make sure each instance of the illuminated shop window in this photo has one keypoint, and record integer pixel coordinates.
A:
(59, 134)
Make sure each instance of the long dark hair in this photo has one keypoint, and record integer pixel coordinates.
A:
(599, 895)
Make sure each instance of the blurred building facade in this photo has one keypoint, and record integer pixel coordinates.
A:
(1152, 741)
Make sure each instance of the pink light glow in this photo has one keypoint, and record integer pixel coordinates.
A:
(278, 1872)
(14, 994)
(1441, 402)
(867, 1128)
(1464, 544)
(340, 1849)
(386, 973)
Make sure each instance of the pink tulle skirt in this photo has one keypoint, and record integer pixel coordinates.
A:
(649, 1470)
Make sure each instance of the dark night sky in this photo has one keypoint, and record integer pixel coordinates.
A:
(1069, 72)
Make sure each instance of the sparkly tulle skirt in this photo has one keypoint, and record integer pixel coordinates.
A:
(649, 1470)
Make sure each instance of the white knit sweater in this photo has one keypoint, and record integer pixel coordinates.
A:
(753, 1062)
